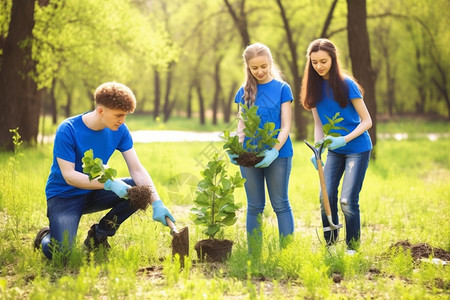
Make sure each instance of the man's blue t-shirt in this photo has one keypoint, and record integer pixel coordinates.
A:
(72, 139)
(269, 98)
(327, 106)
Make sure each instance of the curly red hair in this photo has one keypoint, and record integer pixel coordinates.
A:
(115, 95)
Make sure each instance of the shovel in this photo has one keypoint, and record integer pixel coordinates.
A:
(180, 240)
(325, 201)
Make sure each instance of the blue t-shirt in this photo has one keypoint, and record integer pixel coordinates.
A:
(72, 139)
(269, 97)
(327, 106)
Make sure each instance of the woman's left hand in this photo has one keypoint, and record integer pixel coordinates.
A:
(336, 142)
(269, 157)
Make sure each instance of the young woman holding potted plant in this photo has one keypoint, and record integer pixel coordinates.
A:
(264, 88)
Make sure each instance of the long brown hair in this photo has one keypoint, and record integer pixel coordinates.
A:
(250, 84)
(311, 91)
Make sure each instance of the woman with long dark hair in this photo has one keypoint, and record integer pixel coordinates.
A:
(327, 90)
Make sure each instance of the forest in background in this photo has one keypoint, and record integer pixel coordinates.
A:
(183, 58)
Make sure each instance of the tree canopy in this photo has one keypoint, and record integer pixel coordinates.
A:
(184, 57)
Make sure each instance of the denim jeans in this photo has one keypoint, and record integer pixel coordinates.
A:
(354, 166)
(276, 177)
(64, 215)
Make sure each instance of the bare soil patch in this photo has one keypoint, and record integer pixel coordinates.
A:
(422, 250)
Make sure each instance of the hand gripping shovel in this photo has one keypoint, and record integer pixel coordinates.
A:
(325, 201)
(180, 240)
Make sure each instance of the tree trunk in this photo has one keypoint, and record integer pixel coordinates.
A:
(327, 23)
(228, 103)
(19, 100)
(299, 118)
(217, 89)
(201, 102)
(240, 21)
(157, 86)
(53, 102)
(167, 105)
(189, 101)
(358, 42)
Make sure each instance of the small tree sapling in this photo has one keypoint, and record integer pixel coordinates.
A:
(215, 207)
(327, 129)
(139, 195)
(257, 139)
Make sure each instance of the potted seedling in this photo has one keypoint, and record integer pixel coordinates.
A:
(257, 139)
(139, 196)
(215, 209)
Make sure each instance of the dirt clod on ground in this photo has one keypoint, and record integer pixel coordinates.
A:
(422, 250)
(140, 196)
(248, 159)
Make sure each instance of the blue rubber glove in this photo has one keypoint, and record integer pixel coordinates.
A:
(119, 187)
(233, 158)
(269, 157)
(314, 161)
(336, 142)
(160, 212)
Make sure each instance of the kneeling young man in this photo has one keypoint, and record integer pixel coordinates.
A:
(70, 193)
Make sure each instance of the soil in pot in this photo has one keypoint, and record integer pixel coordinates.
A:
(140, 196)
(248, 159)
(213, 250)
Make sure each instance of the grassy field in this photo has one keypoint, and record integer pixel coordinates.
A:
(406, 196)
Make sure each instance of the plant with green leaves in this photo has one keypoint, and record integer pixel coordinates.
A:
(139, 195)
(215, 206)
(257, 139)
(94, 168)
(327, 129)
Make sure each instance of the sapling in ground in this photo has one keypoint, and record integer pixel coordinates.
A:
(139, 196)
(214, 205)
(257, 139)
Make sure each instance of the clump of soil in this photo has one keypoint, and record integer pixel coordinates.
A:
(248, 159)
(213, 250)
(180, 244)
(140, 196)
(422, 250)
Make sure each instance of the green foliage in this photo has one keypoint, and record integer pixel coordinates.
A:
(258, 138)
(327, 129)
(94, 168)
(92, 41)
(215, 206)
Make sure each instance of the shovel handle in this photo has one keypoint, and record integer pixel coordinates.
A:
(323, 186)
(172, 226)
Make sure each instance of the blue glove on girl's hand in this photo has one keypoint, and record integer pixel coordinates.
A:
(269, 157)
(314, 161)
(160, 212)
(119, 187)
(336, 142)
(233, 158)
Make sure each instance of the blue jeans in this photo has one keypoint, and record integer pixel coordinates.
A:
(276, 176)
(64, 215)
(354, 166)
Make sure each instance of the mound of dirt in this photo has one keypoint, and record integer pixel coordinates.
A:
(422, 250)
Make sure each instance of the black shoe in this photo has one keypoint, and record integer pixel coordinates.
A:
(92, 242)
(39, 236)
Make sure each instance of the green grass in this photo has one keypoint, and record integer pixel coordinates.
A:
(405, 196)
